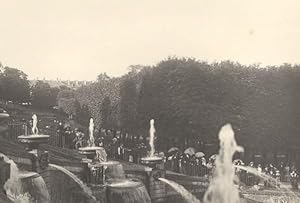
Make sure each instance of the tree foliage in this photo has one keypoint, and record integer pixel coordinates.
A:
(93, 95)
(82, 114)
(66, 101)
(128, 105)
(193, 99)
(43, 96)
(14, 85)
(106, 111)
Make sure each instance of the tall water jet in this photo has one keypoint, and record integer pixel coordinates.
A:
(222, 188)
(151, 159)
(151, 140)
(91, 141)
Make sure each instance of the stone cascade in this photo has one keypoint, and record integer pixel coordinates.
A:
(155, 170)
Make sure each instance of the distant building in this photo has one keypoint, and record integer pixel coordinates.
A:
(57, 83)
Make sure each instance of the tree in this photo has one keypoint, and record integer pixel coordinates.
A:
(128, 105)
(82, 114)
(15, 85)
(103, 77)
(66, 102)
(93, 95)
(43, 96)
(106, 110)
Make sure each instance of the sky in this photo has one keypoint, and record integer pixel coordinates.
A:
(79, 39)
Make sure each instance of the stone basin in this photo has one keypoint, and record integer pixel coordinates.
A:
(106, 163)
(151, 160)
(33, 138)
(90, 152)
(87, 150)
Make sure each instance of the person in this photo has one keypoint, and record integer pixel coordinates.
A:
(184, 163)
(267, 171)
(294, 179)
(250, 176)
(259, 170)
(120, 151)
(287, 173)
(68, 137)
(203, 167)
(277, 177)
(211, 167)
(78, 139)
(281, 169)
(60, 132)
(114, 147)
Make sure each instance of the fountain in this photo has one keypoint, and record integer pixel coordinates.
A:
(155, 166)
(24, 186)
(91, 151)
(152, 160)
(95, 155)
(280, 194)
(107, 178)
(222, 188)
(4, 176)
(187, 196)
(33, 141)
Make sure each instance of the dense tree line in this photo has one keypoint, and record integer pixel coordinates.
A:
(193, 99)
(189, 99)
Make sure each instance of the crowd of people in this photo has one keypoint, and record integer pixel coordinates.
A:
(133, 148)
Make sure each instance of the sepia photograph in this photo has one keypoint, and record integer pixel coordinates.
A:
(149, 101)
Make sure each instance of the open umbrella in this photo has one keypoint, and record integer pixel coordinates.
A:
(173, 149)
(190, 151)
(213, 157)
(199, 154)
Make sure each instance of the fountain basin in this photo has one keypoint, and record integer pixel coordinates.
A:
(33, 141)
(151, 160)
(34, 138)
(107, 171)
(34, 185)
(106, 163)
(89, 149)
(90, 152)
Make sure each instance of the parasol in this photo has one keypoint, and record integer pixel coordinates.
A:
(190, 151)
(173, 149)
(199, 154)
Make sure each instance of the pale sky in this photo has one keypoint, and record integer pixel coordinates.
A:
(78, 39)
